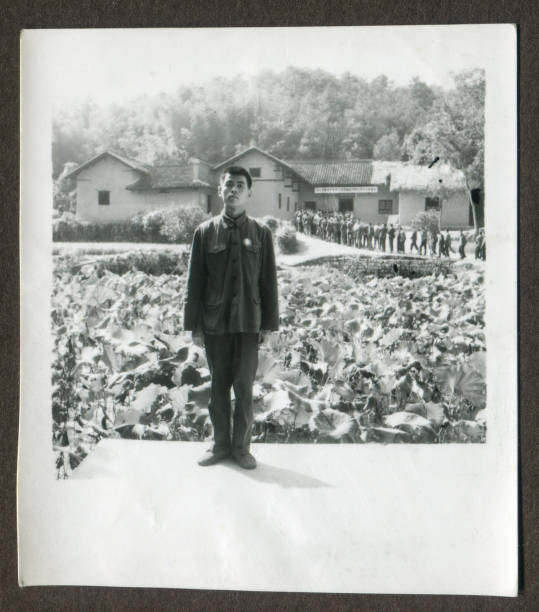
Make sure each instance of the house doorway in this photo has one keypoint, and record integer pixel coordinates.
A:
(346, 205)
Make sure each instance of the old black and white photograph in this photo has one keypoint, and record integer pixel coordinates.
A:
(256, 291)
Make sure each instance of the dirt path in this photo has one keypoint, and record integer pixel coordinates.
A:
(313, 248)
(310, 248)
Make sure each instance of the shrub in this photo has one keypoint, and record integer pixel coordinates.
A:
(271, 222)
(427, 221)
(136, 228)
(180, 222)
(152, 223)
(175, 224)
(150, 262)
(64, 197)
(286, 239)
(66, 227)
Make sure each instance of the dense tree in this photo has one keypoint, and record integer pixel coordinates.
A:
(454, 131)
(388, 147)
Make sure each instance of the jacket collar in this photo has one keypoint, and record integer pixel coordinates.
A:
(237, 222)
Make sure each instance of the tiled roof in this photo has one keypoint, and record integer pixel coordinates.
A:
(232, 159)
(132, 163)
(330, 173)
(169, 176)
(398, 176)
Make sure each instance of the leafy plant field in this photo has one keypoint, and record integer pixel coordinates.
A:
(359, 357)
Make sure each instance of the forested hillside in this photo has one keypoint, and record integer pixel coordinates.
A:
(301, 114)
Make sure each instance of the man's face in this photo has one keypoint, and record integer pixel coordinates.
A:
(235, 193)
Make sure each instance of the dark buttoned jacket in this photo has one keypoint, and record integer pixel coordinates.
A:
(232, 278)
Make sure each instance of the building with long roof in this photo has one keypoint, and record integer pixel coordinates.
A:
(112, 188)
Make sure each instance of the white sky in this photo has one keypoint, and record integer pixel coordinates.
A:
(119, 64)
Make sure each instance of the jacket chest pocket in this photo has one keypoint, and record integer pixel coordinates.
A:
(252, 249)
(252, 255)
(216, 260)
(216, 249)
(216, 256)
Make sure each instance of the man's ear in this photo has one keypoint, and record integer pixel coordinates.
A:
(249, 192)
(219, 190)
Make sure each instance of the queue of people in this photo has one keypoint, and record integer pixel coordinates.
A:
(346, 228)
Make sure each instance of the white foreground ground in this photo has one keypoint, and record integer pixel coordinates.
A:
(309, 518)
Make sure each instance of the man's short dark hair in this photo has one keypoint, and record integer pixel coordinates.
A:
(236, 170)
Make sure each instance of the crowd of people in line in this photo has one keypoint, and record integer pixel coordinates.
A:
(345, 228)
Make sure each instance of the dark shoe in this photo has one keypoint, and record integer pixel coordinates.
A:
(211, 457)
(247, 462)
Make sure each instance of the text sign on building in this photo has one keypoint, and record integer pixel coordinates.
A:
(364, 189)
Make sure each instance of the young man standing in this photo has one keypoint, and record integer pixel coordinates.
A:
(231, 301)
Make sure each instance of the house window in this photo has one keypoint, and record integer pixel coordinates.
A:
(310, 205)
(432, 203)
(255, 172)
(287, 202)
(280, 200)
(385, 207)
(295, 205)
(103, 198)
(208, 204)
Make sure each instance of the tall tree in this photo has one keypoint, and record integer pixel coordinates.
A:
(454, 132)
(388, 147)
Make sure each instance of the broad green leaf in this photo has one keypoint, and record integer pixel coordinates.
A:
(478, 361)
(386, 434)
(269, 370)
(435, 413)
(200, 395)
(127, 417)
(145, 398)
(470, 384)
(391, 337)
(417, 426)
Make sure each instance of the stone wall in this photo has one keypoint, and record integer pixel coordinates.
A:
(388, 265)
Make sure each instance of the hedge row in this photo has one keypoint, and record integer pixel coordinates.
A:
(154, 263)
(171, 225)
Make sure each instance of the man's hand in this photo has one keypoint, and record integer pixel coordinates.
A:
(198, 338)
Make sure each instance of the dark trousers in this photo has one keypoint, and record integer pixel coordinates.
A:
(233, 361)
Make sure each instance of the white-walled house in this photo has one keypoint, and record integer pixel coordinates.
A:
(112, 188)
(371, 190)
